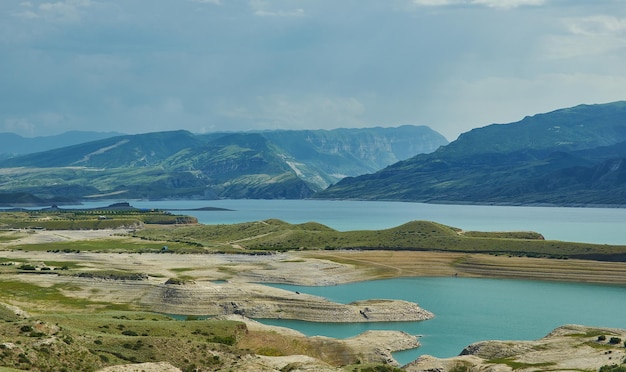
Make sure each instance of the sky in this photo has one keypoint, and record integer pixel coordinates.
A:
(136, 66)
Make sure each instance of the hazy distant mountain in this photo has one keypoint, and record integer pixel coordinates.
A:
(573, 156)
(12, 144)
(179, 164)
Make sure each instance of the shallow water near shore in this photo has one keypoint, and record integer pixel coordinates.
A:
(468, 310)
(590, 225)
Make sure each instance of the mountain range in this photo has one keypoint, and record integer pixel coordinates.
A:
(571, 156)
(12, 144)
(180, 164)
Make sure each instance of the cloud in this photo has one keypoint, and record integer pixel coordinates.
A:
(60, 11)
(504, 4)
(214, 2)
(587, 36)
(280, 13)
(262, 8)
(35, 124)
(463, 104)
(507, 4)
(253, 64)
(312, 111)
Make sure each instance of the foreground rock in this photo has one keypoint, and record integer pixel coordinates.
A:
(367, 347)
(258, 301)
(567, 348)
(142, 367)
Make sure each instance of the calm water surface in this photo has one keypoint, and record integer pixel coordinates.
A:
(591, 225)
(467, 310)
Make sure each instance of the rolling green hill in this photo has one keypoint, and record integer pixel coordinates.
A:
(179, 164)
(574, 156)
(276, 235)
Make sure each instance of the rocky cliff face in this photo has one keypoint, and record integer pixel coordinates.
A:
(566, 157)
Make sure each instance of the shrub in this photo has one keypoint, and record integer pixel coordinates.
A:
(612, 368)
(226, 340)
(615, 340)
(601, 338)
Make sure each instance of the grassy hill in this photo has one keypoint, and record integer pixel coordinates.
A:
(276, 235)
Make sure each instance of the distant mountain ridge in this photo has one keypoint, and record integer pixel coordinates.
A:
(572, 156)
(179, 164)
(12, 144)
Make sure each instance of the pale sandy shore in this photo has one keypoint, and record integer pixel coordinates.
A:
(231, 285)
(329, 267)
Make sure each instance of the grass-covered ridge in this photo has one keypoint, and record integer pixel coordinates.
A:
(276, 235)
(120, 215)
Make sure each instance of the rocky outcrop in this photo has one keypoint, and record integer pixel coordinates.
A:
(367, 347)
(257, 301)
(567, 348)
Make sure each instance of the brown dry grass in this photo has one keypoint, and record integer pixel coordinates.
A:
(387, 264)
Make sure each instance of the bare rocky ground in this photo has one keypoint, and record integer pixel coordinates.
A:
(228, 285)
(567, 348)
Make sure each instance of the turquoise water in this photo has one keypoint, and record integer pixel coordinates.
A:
(591, 225)
(469, 310)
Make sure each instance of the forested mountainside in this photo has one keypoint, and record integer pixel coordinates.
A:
(572, 156)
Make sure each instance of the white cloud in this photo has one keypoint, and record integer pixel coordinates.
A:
(262, 8)
(280, 13)
(62, 11)
(214, 2)
(504, 4)
(507, 4)
(602, 25)
(437, 2)
(593, 35)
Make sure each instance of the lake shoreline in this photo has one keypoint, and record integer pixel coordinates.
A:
(234, 282)
(363, 265)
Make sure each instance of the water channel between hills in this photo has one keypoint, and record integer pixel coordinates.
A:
(467, 310)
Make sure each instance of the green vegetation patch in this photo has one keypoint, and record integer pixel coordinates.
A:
(88, 341)
(111, 245)
(9, 236)
(276, 235)
(89, 219)
(51, 296)
(528, 235)
(518, 365)
(7, 315)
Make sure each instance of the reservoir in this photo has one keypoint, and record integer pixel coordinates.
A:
(589, 225)
(468, 310)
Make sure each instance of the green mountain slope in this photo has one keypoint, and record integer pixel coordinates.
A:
(573, 156)
(179, 164)
(120, 151)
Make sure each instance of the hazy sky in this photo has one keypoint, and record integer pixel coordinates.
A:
(212, 65)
